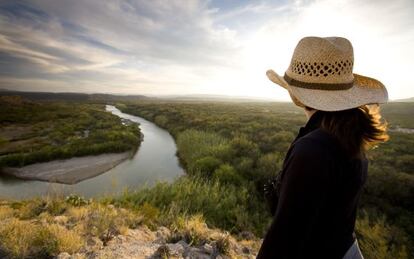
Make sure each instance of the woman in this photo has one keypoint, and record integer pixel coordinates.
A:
(317, 192)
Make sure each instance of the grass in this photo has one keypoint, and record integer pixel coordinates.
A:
(379, 240)
(227, 207)
(192, 208)
(243, 144)
(41, 228)
(33, 132)
(19, 239)
(194, 231)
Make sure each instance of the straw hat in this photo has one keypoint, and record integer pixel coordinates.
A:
(320, 76)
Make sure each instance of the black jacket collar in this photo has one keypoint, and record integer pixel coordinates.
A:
(313, 123)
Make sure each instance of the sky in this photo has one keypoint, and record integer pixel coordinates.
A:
(180, 47)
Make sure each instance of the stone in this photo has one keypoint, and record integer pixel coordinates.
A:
(245, 250)
(163, 251)
(193, 252)
(62, 220)
(63, 255)
(246, 235)
(94, 243)
(183, 243)
(208, 248)
(163, 232)
(176, 249)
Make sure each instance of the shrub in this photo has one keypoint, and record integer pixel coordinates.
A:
(6, 212)
(66, 240)
(193, 229)
(22, 239)
(149, 214)
(102, 222)
(379, 240)
(76, 200)
(227, 174)
(76, 214)
(194, 145)
(16, 238)
(233, 208)
(106, 221)
(30, 209)
(207, 165)
(55, 206)
(222, 244)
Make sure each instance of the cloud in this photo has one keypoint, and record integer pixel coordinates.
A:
(132, 41)
(380, 31)
(195, 46)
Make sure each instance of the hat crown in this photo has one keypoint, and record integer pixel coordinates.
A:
(320, 76)
(323, 61)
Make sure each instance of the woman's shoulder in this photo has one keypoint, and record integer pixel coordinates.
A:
(322, 145)
(317, 141)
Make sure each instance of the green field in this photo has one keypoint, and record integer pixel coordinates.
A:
(229, 149)
(33, 132)
(241, 145)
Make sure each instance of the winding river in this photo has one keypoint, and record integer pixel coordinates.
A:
(154, 161)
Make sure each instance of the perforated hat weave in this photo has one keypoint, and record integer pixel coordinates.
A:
(320, 76)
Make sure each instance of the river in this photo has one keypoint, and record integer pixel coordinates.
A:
(155, 160)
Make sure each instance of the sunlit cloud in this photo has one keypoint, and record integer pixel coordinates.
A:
(188, 47)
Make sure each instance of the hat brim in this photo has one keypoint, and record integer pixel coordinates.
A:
(365, 90)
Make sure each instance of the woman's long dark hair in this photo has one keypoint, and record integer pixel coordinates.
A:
(357, 129)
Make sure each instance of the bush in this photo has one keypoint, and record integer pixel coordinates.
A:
(29, 210)
(16, 238)
(379, 240)
(194, 145)
(6, 212)
(228, 175)
(207, 165)
(193, 230)
(76, 200)
(55, 206)
(233, 208)
(102, 221)
(106, 222)
(22, 239)
(62, 130)
(222, 244)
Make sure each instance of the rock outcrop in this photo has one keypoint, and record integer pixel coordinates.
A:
(145, 243)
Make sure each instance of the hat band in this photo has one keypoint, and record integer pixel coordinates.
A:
(317, 86)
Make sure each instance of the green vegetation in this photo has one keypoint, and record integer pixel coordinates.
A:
(222, 206)
(44, 233)
(228, 150)
(240, 145)
(38, 132)
(21, 239)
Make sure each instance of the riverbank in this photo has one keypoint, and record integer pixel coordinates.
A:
(38, 132)
(153, 161)
(68, 171)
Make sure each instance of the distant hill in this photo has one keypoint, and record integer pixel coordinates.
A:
(14, 100)
(406, 100)
(215, 97)
(51, 96)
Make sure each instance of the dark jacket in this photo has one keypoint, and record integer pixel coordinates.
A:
(320, 189)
